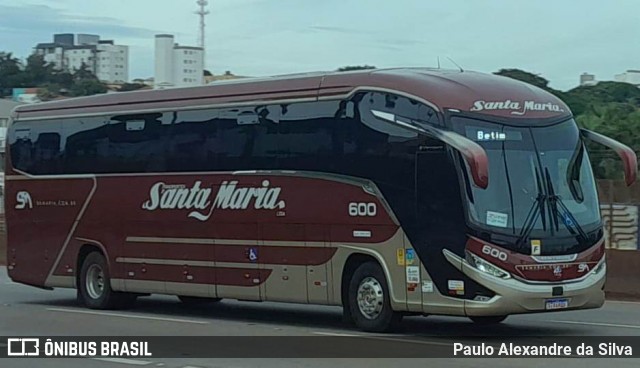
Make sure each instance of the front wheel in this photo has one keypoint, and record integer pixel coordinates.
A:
(94, 288)
(488, 320)
(369, 300)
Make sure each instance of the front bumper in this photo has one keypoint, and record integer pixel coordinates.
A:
(514, 296)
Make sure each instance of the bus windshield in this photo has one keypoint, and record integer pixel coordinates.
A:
(532, 170)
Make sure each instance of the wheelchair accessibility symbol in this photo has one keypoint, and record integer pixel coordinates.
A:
(253, 254)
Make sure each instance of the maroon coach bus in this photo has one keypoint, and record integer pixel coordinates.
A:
(388, 192)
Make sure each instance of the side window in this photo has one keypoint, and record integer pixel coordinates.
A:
(372, 146)
(402, 108)
(137, 143)
(246, 140)
(35, 147)
(86, 145)
(116, 144)
(308, 135)
(193, 140)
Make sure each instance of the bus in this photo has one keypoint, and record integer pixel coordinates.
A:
(389, 192)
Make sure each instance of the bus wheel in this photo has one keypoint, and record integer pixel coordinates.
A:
(95, 288)
(488, 320)
(369, 300)
(194, 300)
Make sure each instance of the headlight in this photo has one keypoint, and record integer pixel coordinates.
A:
(486, 267)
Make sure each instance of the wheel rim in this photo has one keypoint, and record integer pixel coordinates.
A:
(95, 281)
(370, 298)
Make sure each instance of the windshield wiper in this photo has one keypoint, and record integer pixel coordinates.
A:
(536, 210)
(555, 203)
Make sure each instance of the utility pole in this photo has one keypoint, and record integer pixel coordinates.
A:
(202, 12)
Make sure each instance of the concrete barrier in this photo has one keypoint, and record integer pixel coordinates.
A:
(623, 274)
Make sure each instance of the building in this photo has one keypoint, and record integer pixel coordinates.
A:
(175, 65)
(112, 62)
(108, 61)
(6, 106)
(630, 76)
(587, 79)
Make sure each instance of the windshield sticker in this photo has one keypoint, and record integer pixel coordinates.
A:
(456, 287)
(413, 275)
(411, 256)
(517, 108)
(427, 286)
(497, 219)
(400, 256)
(536, 247)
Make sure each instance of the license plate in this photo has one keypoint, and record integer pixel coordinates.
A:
(557, 304)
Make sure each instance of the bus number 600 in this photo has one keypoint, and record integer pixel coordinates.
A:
(362, 209)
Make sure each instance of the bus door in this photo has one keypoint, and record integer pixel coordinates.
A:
(440, 220)
(428, 168)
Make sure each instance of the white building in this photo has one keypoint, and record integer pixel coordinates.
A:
(109, 62)
(630, 76)
(587, 79)
(112, 62)
(177, 66)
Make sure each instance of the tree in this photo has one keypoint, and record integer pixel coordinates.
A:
(84, 73)
(9, 65)
(10, 72)
(87, 87)
(349, 68)
(38, 71)
(526, 77)
(50, 81)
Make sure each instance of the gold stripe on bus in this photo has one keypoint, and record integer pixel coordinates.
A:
(214, 241)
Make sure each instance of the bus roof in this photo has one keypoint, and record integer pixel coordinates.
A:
(453, 90)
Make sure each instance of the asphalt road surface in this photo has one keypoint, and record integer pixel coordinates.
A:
(29, 311)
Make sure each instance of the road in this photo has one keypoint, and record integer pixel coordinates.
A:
(29, 311)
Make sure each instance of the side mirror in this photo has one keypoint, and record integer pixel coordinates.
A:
(474, 155)
(628, 157)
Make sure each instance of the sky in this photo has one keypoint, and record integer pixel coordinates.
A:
(557, 39)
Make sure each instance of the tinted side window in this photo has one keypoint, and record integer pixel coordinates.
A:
(116, 144)
(309, 136)
(86, 145)
(137, 143)
(246, 140)
(342, 137)
(193, 133)
(36, 147)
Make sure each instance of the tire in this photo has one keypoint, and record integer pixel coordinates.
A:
(369, 300)
(94, 287)
(195, 300)
(488, 320)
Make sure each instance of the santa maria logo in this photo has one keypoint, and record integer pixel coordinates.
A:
(517, 108)
(197, 199)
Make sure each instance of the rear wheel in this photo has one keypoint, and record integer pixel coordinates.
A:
(94, 287)
(488, 320)
(194, 300)
(369, 300)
